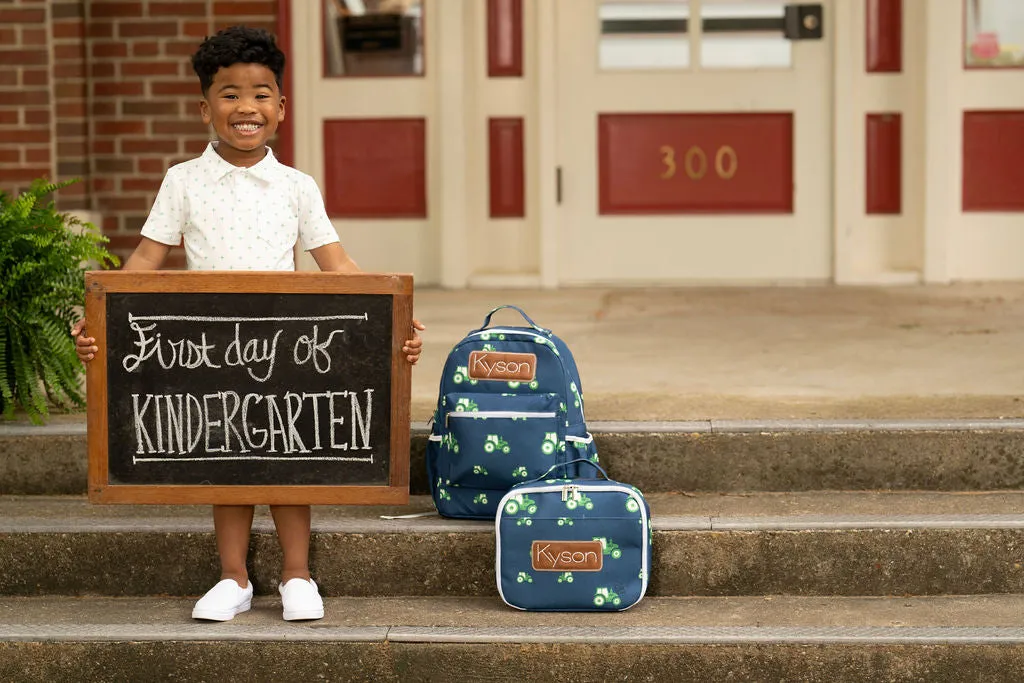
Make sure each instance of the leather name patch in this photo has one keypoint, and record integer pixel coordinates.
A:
(519, 367)
(567, 556)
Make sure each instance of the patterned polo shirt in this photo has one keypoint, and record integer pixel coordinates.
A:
(237, 218)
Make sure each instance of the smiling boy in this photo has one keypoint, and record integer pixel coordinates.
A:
(237, 208)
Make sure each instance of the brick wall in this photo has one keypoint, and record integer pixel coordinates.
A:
(114, 102)
(26, 137)
(71, 107)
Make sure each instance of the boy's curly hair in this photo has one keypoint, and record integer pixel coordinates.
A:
(237, 45)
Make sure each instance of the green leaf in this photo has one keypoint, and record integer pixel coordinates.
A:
(43, 258)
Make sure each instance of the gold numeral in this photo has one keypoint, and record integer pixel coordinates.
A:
(696, 153)
(668, 157)
(726, 152)
(695, 162)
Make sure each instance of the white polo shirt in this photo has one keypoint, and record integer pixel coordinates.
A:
(235, 218)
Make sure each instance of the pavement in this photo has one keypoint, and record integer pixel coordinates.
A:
(765, 353)
(18, 616)
(757, 354)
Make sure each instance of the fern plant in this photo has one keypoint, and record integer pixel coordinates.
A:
(43, 257)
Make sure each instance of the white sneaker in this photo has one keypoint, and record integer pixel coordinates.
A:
(224, 601)
(301, 600)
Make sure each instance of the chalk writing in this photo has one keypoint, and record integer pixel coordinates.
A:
(251, 426)
(244, 425)
(312, 348)
(256, 354)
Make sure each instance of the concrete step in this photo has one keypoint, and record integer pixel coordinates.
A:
(839, 543)
(704, 455)
(950, 638)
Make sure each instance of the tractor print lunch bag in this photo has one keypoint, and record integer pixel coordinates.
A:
(573, 544)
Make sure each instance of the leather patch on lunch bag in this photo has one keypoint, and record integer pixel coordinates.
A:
(567, 556)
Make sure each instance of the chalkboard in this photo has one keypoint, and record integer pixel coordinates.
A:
(278, 388)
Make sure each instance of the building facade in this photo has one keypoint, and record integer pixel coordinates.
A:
(547, 143)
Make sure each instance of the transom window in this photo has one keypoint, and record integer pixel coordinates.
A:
(734, 34)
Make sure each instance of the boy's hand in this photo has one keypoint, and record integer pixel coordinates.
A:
(413, 346)
(84, 346)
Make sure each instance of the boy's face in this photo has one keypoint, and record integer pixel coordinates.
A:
(244, 105)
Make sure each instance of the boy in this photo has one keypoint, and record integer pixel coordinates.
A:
(238, 208)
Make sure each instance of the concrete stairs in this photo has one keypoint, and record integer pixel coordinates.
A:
(797, 550)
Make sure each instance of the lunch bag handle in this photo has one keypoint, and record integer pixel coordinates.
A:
(487, 320)
(566, 464)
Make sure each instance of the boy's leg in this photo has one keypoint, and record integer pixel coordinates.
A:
(293, 528)
(233, 593)
(232, 523)
(300, 597)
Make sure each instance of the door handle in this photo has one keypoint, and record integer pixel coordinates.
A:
(804, 22)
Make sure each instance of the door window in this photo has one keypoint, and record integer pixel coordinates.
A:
(373, 38)
(744, 34)
(644, 35)
(994, 33)
(735, 34)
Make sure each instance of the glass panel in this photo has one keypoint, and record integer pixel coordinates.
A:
(744, 34)
(644, 35)
(373, 37)
(994, 33)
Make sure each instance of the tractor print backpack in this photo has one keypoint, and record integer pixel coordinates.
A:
(510, 406)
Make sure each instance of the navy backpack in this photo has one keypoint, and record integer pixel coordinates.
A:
(509, 407)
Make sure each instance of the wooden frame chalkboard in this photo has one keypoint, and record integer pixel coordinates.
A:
(237, 388)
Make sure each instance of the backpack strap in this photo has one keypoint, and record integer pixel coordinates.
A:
(487, 320)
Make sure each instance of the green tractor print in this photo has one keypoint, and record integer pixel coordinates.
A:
(462, 375)
(442, 493)
(524, 521)
(632, 505)
(520, 472)
(480, 499)
(548, 343)
(448, 441)
(524, 578)
(565, 521)
(515, 385)
(577, 400)
(551, 444)
(494, 442)
(487, 336)
(565, 577)
(480, 469)
(520, 502)
(610, 547)
(604, 595)
(466, 405)
(488, 347)
(579, 500)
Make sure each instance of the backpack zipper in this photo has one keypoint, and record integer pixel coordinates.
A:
(496, 413)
